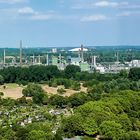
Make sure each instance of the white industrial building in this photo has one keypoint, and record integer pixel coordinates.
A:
(78, 49)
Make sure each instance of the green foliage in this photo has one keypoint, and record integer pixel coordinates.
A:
(22, 100)
(9, 135)
(87, 138)
(36, 92)
(95, 96)
(36, 135)
(45, 99)
(32, 89)
(75, 85)
(91, 83)
(12, 116)
(61, 91)
(132, 135)
(125, 121)
(39, 131)
(90, 127)
(1, 94)
(72, 126)
(38, 98)
(1, 80)
(22, 133)
(123, 74)
(78, 99)
(135, 85)
(58, 101)
(96, 88)
(68, 83)
(23, 75)
(7, 102)
(71, 70)
(58, 136)
(109, 109)
(85, 76)
(134, 74)
(111, 116)
(116, 85)
(113, 86)
(111, 129)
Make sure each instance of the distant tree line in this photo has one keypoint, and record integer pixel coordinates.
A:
(47, 73)
(29, 74)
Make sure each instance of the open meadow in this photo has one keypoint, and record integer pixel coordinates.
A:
(14, 91)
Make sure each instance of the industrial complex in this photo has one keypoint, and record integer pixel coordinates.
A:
(58, 58)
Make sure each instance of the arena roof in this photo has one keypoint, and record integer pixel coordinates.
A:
(78, 49)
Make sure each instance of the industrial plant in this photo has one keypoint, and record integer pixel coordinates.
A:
(62, 58)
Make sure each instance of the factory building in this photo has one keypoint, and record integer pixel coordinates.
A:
(54, 60)
(78, 49)
(84, 66)
(62, 60)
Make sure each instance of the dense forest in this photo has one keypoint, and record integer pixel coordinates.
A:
(110, 109)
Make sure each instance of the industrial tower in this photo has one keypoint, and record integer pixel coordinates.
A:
(20, 52)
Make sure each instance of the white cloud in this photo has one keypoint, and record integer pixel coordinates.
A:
(128, 13)
(124, 14)
(41, 17)
(130, 6)
(31, 14)
(93, 18)
(106, 4)
(26, 10)
(99, 4)
(51, 16)
(35, 15)
(12, 1)
(78, 6)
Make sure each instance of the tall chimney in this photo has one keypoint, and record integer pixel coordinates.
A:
(33, 62)
(60, 59)
(4, 57)
(47, 60)
(20, 52)
(82, 57)
(94, 61)
(117, 56)
(39, 59)
(79, 54)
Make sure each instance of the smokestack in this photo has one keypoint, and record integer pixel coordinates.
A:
(60, 59)
(20, 52)
(33, 59)
(39, 60)
(4, 57)
(94, 61)
(79, 54)
(117, 56)
(47, 60)
(82, 57)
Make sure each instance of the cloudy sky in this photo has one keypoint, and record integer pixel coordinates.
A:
(42, 23)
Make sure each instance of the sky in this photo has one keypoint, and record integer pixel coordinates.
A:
(66, 23)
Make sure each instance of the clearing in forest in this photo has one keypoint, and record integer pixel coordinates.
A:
(14, 91)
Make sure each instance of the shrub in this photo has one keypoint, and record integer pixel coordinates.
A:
(61, 91)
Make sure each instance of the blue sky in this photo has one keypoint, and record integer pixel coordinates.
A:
(56, 23)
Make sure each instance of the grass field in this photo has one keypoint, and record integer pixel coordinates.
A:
(14, 91)
(69, 92)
